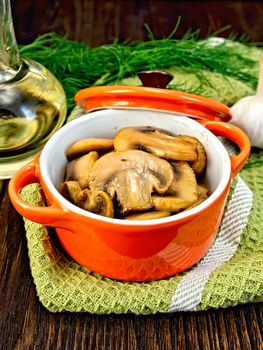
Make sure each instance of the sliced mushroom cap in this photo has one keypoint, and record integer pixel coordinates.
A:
(98, 202)
(84, 146)
(199, 164)
(150, 215)
(156, 142)
(183, 191)
(184, 184)
(78, 169)
(132, 176)
(202, 196)
(133, 190)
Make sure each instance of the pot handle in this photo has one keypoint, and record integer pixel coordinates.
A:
(43, 215)
(234, 134)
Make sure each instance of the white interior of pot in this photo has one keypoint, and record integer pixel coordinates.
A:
(106, 123)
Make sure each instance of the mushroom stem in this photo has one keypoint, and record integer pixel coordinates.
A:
(171, 203)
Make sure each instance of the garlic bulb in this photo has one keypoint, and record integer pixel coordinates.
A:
(248, 113)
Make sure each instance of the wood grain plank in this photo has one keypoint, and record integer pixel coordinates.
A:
(181, 333)
(164, 333)
(150, 336)
(203, 332)
(212, 332)
(241, 329)
(233, 340)
(117, 333)
(97, 22)
(254, 326)
(131, 335)
(222, 330)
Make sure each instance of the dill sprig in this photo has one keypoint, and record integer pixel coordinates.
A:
(77, 65)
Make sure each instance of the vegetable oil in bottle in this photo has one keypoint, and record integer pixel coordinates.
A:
(32, 101)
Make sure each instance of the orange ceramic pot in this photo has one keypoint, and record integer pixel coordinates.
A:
(125, 249)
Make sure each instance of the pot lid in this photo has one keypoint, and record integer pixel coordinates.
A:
(152, 95)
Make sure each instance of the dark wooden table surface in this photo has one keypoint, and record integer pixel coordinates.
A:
(97, 22)
(26, 324)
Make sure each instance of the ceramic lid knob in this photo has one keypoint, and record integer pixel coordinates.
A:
(155, 78)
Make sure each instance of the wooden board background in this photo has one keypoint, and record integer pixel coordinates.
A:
(97, 22)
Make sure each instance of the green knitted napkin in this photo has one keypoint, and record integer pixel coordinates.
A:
(231, 273)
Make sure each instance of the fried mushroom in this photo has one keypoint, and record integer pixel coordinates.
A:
(70, 190)
(131, 176)
(156, 142)
(78, 169)
(199, 164)
(183, 191)
(97, 202)
(202, 192)
(150, 215)
(202, 196)
(84, 146)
